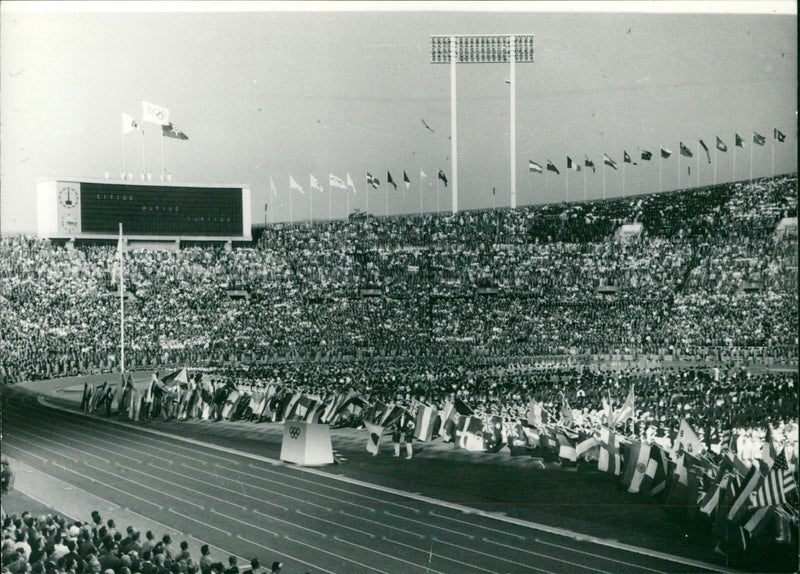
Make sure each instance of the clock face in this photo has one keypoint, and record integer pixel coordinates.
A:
(68, 196)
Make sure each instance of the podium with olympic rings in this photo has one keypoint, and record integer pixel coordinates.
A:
(306, 444)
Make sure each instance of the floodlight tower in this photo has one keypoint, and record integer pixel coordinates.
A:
(482, 49)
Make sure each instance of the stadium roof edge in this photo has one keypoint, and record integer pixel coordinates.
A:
(140, 182)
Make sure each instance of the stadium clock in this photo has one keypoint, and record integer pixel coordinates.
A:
(68, 196)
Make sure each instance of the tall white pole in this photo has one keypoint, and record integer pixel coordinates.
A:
(715, 163)
(310, 203)
(513, 119)
(291, 214)
(330, 193)
(387, 196)
(124, 158)
(121, 301)
(584, 184)
(420, 191)
(163, 162)
(453, 130)
(773, 156)
(144, 158)
(366, 192)
(437, 193)
(751, 161)
(566, 183)
(660, 155)
(698, 168)
(734, 160)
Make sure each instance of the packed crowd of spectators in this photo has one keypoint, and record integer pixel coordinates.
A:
(52, 544)
(707, 276)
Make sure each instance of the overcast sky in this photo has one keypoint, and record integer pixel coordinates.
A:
(268, 91)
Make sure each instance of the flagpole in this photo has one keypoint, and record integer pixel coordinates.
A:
(310, 204)
(163, 164)
(347, 204)
(715, 163)
(366, 192)
(566, 184)
(698, 168)
(121, 303)
(387, 196)
(330, 193)
(751, 162)
(420, 192)
(679, 168)
(437, 192)
(124, 157)
(660, 155)
(773, 154)
(604, 179)
(734, 158)
(584, 185)
(144, 158)
(623, 177)
(291, 215)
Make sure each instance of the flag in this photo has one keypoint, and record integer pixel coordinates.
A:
(626, 158)
(589, 163)
(573, 165)
(665, 153)
(442, 177)
(678, 488)
(759, 520)
(609, 162)
(777, 483)
(625, 411)
(685, 151)
(314, 183)
(636, 465)
(390, 181)
(373, 181)
(470, 433)
(655, 475)
(171, 131)
(705, 149)
(778, 135)
(566, 447)
(406, 180)
(646, 155)
(741, 501)
(739, 140)
(566, 413)
(423, 175)
(721, 145)
(708, 503)
(610, 459)
(374, 439)
(462, 408)
(552, 167)
(534, 167)
(350, 183)
(294, 185)
(155, 114)
(423, 426)
(759, 139)
(586, 445)
(272, 187)
(687, 439)
(334, 181)
(129, 124)
(535, 414)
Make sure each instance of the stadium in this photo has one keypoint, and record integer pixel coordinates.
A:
(604, 383)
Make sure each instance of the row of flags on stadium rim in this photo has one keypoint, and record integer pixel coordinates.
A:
(153, 114)
(334, 181)
(647, 155)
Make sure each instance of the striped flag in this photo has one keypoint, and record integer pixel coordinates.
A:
(609, 162)
(625, 411)
(566, 447)
(741, 501)
(573, 165)
(610, 459)
(709, 501)
(374, 438)
(589, 163)
(636, 465)
(534, 167)
(390, 181)
(739, 140)
(777, 483)
(423, 427)
(552, 167)
(758, 139)
(705, 149)
(406, 180)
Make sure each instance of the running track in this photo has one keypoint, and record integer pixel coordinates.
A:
(313, 521)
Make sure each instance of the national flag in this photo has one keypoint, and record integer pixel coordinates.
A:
(589, 163)
(532, 436)
(442, 177)
(678, 488)
(406, 180)
(575, 166)
(534, 167)
(610, 459)
(742, 499)
(469, 432)
(535, 414)
(646, 155)
(294, 185)
(585, 445)
(566, 447)
(710, 500)
(739, 140)
(272, 187)
(655, 475)
(626, 158)
(685, 151)
(350, 183)
(721, 145)
(687, 439)
(314, 183)
(759, 139)
(390, 181)
(551, 167)
(609, 162)
(665, 153)
(423, 175)
(777, 483)
(705, 149)
(335, 181)
(373, 181)
(462, 408)
(493, 434)
(155, 114)
(129, 124)
(759, 520)
(423, 426)
(374, 438)
(170, 131)
(778, 135)
(566, 413)
(625, 411)
(636, 465)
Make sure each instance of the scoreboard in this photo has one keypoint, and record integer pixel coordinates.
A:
(70, 208)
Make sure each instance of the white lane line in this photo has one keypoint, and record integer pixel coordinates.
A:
(546, 556)
(273, 492)
(340, 557)
(91, 446)
(140, 485)
(492, 556)
(100, 482)
(472, 524)
(248, 524)
(270, 517)
(431, 554)
(44, 448)
(22, 450)
(383, 525)
(563, 532)
(428, 525)
(203, 523)
(597, 556)
(372, 550)
(337, 524)
(287, 556)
